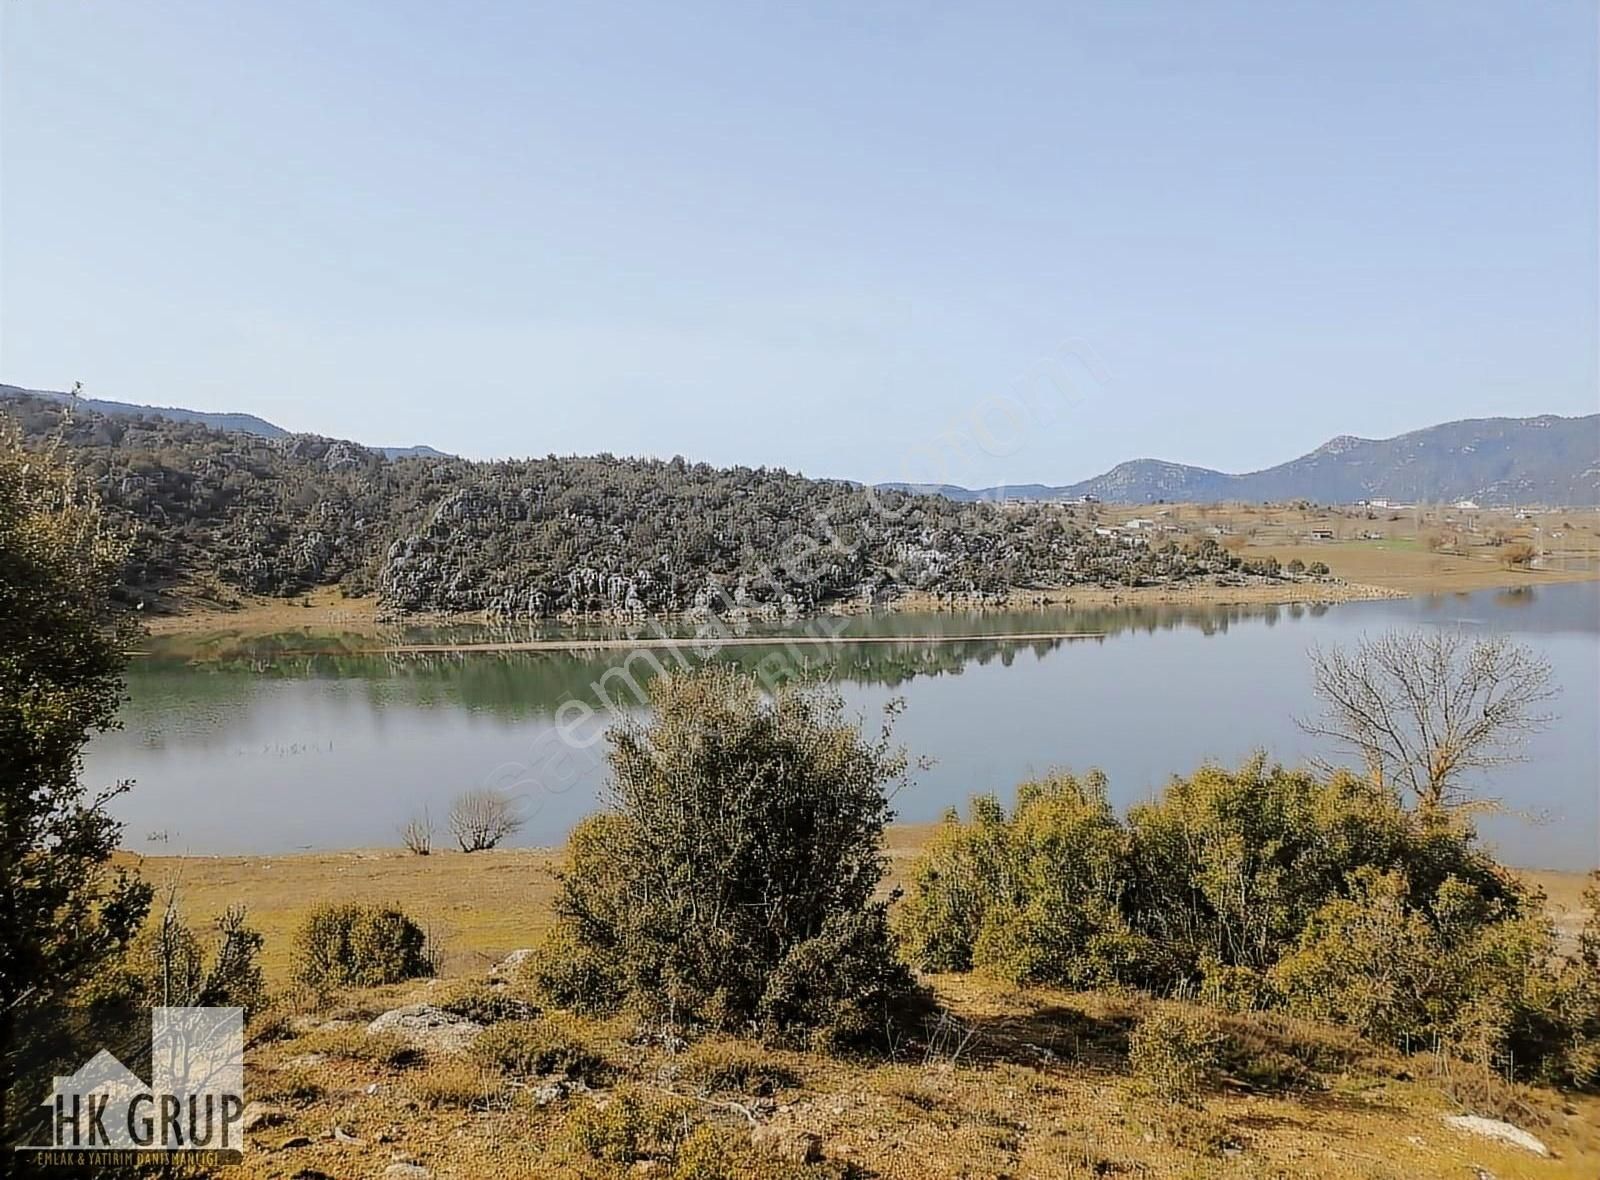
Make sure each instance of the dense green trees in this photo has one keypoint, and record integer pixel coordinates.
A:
(63, 912)
(1263, 886)
(732, 881)
(1035, 897)
(208, 511)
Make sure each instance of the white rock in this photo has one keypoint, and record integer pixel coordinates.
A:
(407, 1172)
(512, 964)
(1494, 1129)
(258, 1115)
(430, 1029)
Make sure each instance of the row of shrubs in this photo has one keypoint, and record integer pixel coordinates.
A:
(1264, 887)
(337, 945)
(734, 884)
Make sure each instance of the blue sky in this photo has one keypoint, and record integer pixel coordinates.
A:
(833, 238)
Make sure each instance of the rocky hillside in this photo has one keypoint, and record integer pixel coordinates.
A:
(214, 512)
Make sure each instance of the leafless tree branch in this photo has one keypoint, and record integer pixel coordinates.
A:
(1425, 709)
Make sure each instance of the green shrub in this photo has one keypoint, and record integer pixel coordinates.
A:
(1228, 867)
(1175, 1052)
(1034, 898)
(1460, 969)
(715, 1152)
(574, 966)
(733, 882)
(1265, 888)
(455, 1085)
(166, 964)
(631, 1126)
(484, 1001)
(728, 1066)
(537, 1048)
(352, 945)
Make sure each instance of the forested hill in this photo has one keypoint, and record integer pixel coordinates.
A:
(210, 510)
(242, 423)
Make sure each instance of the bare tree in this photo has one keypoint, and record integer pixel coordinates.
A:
(481, 819)
(1424, 709)
(417, 833)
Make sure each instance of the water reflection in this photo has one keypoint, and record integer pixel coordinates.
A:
(255, 743)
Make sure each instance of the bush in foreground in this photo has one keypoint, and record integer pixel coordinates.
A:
(353, 945)
(1175, 1052)
(538, 1048)
(1265, 888)
(731, 883)
(1033, 897)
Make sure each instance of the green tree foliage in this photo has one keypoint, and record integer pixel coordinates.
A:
(1228, 866)
(352, 945)
(1034, 897)
(732, 881)
(63, 912)
(1264, 886)
(1462, 969)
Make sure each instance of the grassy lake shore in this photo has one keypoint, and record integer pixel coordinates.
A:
(483, 905)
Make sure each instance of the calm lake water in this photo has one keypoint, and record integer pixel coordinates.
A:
(279, 743)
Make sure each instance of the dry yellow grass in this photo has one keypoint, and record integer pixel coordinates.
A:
(1040, 1088)
(1036, 1084)
(478, 906)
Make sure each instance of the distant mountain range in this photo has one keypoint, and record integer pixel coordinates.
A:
(240, 423)
(1543, 460)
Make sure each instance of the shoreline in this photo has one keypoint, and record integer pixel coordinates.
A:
(486, 904)
(325, 610)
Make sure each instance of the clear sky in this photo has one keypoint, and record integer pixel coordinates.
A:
(818, 236)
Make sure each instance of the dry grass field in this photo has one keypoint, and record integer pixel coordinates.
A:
(1417, 550)
(1012, 1083)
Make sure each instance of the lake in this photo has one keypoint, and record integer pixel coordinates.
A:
(287, 742)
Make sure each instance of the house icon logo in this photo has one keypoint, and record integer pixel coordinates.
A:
(193, 1102)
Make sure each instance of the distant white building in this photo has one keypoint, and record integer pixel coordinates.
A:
(1138, 523)
(1467, 505)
